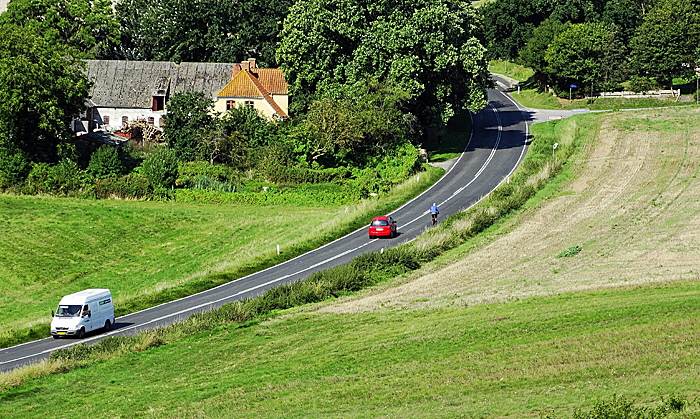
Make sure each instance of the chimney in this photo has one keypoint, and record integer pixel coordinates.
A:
(245, 65)
(252, 62)
(235, 71)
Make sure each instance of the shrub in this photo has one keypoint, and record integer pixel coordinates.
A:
(65, 178)
(622, 408)
(105, 162)
(201, 168)
(161, 168)
(14, 166)
(133, 185)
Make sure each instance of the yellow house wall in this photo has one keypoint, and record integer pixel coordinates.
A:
(259, 104)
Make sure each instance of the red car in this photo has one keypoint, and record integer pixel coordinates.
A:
(382, 226)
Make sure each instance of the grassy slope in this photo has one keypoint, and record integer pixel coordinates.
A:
(53, 246)
(447, 353)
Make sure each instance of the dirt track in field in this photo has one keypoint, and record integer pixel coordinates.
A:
(634, 208)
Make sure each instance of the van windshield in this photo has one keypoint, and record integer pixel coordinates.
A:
(68, 311)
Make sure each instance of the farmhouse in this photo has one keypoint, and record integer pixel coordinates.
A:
(126, 91)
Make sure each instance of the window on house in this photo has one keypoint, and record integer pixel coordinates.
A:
(105, 119)
(151, 120)
(249, 103)
(230, 104)
(158, 103)
(125, 120)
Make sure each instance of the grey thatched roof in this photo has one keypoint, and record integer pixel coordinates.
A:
(132, 84)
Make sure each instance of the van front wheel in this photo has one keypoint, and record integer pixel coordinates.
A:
(81, 333)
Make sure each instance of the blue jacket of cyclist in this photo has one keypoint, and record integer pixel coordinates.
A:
(434, 209)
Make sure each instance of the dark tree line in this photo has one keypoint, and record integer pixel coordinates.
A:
(597, 44)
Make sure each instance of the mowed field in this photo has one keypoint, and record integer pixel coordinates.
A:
(513, 324)
(54, 246)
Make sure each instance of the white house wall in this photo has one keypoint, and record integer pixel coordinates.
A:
(116, 114)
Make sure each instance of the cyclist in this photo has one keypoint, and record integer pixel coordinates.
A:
(434, 211)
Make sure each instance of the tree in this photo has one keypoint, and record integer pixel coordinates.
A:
(42, 89)
(427, 48)
(665, 43)
(533, 55)
(510, 24)
(189, 114)
(200, 30)
(581, 54)
(86, 27)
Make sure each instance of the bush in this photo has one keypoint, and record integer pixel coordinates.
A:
(134, 186)
(161, 168)
(621, 408)
(14, 166)
(65, 178)
(105, 162)
(201, 168)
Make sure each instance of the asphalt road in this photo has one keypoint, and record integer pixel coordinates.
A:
(498, 143)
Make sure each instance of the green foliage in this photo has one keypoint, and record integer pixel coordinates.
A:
(161, 168)
(620, 407)
(583, 54)
(666, 41)
(63, 178)
(200, 30)
(41, 90)
(571, 251)
(279, 173)
(86, 27)
(430, 50)
(257, 130)
(533, 54)
(14, 166)
(131, 186)
(509, 25)
(105, 162)
(302, 195)
(201, 168)
(187, 120)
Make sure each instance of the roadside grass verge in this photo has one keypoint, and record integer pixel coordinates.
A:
(538, 357)
(148, 253)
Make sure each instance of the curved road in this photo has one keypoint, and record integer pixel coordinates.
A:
(498, 143)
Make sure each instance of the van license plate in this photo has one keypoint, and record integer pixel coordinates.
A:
(61, 333)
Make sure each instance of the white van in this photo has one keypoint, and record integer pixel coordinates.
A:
(83, 312)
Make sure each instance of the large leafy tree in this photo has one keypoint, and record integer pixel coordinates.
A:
(189, 114)
(87, 27)
(533, 55)
(42, 90)
(427, 48)
(365, 120)
(510, 23)
(666, 42)
(200, 30)
(587, 54)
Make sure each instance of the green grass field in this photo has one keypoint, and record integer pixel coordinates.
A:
(517, 359)
(150, 252)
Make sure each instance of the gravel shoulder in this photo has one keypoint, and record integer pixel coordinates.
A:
(634, 208)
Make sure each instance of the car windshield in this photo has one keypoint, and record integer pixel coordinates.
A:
(380, 223)
(68, 311)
